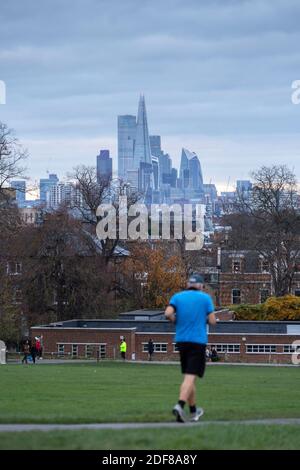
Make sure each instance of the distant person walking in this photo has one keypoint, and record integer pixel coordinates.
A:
(150, 349)
(38, 346)
(191, 310)
(26, 351)
(33, 352)
(214, 355)
(207, 354)
(123, 349)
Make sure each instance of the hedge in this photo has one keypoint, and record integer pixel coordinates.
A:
(275, 308)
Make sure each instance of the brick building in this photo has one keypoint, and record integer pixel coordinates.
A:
(236, 341)
(245, 278)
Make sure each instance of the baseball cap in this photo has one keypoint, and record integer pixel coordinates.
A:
(196, 279)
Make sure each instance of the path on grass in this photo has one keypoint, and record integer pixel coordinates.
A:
(102, 426)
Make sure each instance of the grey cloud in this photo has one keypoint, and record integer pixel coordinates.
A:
(216, 68)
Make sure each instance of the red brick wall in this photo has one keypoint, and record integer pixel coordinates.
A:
(249, 285)
(244, 339)
(54, 336)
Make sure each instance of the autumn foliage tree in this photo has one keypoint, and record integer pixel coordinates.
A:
(152, 275)
(284, 308)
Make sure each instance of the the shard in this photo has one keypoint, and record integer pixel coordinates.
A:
(142, 152)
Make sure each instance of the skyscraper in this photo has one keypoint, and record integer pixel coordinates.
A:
(126, 141)
(142, 151)
(45, 186)
(190, 171)
(243, 186)
(20, 187)
(155, 145)
(104, 166)
(142, 161)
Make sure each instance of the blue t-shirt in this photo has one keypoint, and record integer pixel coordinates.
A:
(192, 307)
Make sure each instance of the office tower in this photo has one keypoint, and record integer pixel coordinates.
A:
(104, 166)
(155, 145)
(142, 161)
(155, 174)
(142, 152)
(190, 171)
(56, 195)
(210, 192)
(165, 164)
(243, 186)
(126, 141)
(20, 187)
(174, 176)
(63, 194)
(45, 186)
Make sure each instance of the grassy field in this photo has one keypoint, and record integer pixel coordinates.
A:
(209, 437)
(116, 392)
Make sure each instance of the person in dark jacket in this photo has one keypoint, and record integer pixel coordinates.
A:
(33, 352)
(26, 351)
(150, 349)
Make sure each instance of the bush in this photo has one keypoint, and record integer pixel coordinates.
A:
(275, 308)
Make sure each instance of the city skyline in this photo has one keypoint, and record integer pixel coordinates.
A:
(217, 79)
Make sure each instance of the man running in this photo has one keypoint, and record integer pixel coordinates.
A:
(191, 310)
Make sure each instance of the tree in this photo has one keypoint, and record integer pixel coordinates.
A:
(63, 274)
(269, 222)
(152, 275)
(12, 156)
(93, 191)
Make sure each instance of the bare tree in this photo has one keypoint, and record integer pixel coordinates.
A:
(268, 221)
(12, 156)
(90, 192)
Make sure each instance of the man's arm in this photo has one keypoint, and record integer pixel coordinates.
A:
(170, 313)
(211, 319)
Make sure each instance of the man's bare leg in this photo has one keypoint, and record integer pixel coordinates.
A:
(188, 389)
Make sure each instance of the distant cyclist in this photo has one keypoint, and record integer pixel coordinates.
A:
(191, 310)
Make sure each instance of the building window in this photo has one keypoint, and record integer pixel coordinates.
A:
(291, 348)
(158, 347)
(89, 350)
(265, 267)
(13, 268)
(175, 348)
(260, 348)
(297, 292)
(236, 296)
(236, 266)
(61, 349)
(227, 348)
(102, 351)
(264, 294)
(74, 350)
(17, 295)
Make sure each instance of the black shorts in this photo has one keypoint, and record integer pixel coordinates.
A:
(192, 358)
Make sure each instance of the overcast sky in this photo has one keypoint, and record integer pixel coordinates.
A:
(216, 75)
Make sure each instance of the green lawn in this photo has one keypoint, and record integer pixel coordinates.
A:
(200, 438)
(116, 392)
